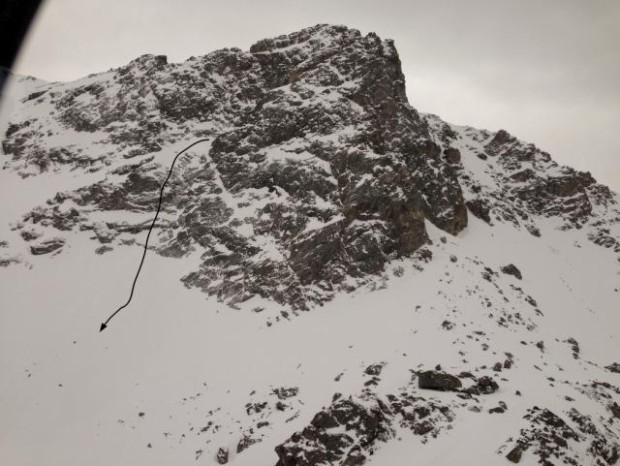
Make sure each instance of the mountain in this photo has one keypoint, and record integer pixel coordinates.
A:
(334, 278)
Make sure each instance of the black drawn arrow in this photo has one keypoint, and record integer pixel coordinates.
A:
(104, 325)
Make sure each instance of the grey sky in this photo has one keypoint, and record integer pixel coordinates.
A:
(547, 71)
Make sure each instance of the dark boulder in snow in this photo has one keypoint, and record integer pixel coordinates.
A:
(45, 247)
(515, 454)
(484, 386)
(285, 392)
(374, 369)
(512, 269)
(245, 443)
(222, 456)
(480, 208)
(615, 367)
(487, 385)
(435, 380)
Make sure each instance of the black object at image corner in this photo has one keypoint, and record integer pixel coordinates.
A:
(15, 19)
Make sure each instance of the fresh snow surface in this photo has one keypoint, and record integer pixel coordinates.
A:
(73, 396)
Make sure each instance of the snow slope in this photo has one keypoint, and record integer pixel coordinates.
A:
(75, 396)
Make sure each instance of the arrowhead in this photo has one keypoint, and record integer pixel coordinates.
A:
(102, 328)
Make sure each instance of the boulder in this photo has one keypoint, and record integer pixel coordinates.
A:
(512, 269)
(614, 367)
(487, 385)
(484, 386)
(515, 454)
(435, 380)
(222, 455)
(45, 247)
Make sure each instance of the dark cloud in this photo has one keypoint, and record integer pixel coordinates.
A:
(545, 70)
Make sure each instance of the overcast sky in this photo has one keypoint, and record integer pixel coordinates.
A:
(547, 71)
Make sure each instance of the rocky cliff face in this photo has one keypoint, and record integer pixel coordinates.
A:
(315, 174)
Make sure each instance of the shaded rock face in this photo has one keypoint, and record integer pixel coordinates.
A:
(316, 174)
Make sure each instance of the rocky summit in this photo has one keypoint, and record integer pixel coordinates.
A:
(316, 173)
(462, 286)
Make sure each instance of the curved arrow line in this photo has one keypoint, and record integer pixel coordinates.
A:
(148, 236)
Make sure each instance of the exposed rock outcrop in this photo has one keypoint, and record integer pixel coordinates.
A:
(316, 172)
